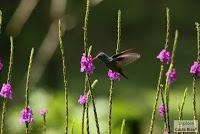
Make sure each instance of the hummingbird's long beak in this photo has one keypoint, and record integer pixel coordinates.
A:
(94, 58)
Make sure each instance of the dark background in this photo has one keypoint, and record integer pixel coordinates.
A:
(143, 28)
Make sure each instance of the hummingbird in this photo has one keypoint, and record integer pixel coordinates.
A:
(118, 61)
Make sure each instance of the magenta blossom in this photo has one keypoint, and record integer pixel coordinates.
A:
(113, 75)
(172, 75)
(162, 110)
(164, 56)
(195, 69)
(26, 116)
(82, 99)
(86, 64)
(43, 112)
(1, 65)
(165, 131)
(6, 91)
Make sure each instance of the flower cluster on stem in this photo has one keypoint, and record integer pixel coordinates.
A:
(26, 115)
(195, 69)
(113, 75)
(82, 99)
(172, 75)
(162, 110)
(6, 91)
(86, 64)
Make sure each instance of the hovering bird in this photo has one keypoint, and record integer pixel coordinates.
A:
(116, 62)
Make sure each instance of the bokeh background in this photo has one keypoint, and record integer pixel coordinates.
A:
(33, 23)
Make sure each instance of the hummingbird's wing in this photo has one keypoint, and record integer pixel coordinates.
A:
(123, 52)
(125, 58)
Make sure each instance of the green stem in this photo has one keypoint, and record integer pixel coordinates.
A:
(198, 41)
(11, 60)
(87, 118)
(156, 99)
(194, 98)
(163, 101)
(8, 81)
(27, 85)
(27, 125)
(118, 31)
(44, 124)
(64, 78)
(0, 20)
(180, 117)
(87, 105)
(123, 125)
(194, 77)
(85, 40)
(83, 119)
(86, 25)
(161, 73)
(111, 83)
(167, 80)
(84, 107)
(3, 115)
(110, 109)
(168, 28)
(28, 77)
(94, 106)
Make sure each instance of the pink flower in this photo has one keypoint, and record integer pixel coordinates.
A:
(43, 112)
(86, 64)
(195, 69)
(6, 91)
(164, 56)
(113, 75)
(26, 116)
(162, 110)
(172, 76)
(165, 131)
(82, 99)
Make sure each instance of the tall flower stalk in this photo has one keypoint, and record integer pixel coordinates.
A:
(43, 112)
(180, 109)
(164, 104)
(195, 71)
(83, 100)
(87, 118)
(44, 124)
(194, 76)
(27, 113)
(85, 27)
(88, 67)
(0, 20)
(94, 106)
(8, 82)
(27, 108)
(64, 78)
(110, 108)
(167, 83)
(85, 106)
(123, 126)
(85, 109)
(112, 81)
(158, 89)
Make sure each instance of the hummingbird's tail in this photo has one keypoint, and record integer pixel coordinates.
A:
(123, 74)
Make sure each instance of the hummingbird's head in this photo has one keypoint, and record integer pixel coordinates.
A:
(102, 56)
